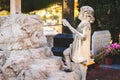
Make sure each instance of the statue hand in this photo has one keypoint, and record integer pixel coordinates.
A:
(65, 22)
(79, 36)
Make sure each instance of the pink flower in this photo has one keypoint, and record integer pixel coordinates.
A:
(111, 49)
(115, 45)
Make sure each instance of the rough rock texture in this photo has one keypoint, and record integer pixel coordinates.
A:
(24, 54)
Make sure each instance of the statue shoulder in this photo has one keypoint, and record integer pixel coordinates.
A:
(84, 24)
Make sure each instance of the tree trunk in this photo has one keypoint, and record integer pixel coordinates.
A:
(68, 13)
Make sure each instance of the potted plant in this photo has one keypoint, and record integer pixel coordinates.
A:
(111, 52)
(107, 54)
(98, 60)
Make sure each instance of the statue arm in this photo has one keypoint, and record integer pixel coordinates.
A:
(85, 30)
(84, 35)
(66, 23)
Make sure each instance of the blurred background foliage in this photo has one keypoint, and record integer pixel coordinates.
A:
(29, 5)
(107, 12)
(107, 15)
(4, 5)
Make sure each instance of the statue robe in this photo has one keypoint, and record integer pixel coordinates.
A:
(81, 44)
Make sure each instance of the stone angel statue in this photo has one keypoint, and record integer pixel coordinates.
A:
(79, 50)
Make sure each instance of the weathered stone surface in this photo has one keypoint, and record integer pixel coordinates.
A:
(2, 19)
(100, 39)
(21, 32)
(61, 75)
(24, 54)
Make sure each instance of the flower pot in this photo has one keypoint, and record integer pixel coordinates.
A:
(108, 60)
(97, 66)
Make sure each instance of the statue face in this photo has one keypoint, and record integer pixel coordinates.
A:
(90, 18)
(86, 13)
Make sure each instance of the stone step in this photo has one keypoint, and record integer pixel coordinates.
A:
(52, 63)
(61, 75)
(41, 68)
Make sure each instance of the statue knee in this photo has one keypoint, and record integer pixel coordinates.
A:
(66, 52)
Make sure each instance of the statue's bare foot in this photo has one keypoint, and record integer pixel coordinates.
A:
(67, 70)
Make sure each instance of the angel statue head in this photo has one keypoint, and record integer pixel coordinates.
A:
(86, 13)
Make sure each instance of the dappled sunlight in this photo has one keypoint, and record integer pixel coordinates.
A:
(51, 16)
(4, 13)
